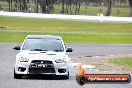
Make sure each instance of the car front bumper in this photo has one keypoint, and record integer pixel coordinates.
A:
(57, 69)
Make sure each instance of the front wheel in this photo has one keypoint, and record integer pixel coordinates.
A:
(63, 76)
(66, 76)
(17, 76)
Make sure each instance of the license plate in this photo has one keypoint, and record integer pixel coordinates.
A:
(41, 65)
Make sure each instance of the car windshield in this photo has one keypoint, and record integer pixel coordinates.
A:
(43, 44)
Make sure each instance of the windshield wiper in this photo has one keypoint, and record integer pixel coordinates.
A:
(38, 50)
(58, 50)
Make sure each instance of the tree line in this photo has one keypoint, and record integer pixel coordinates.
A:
(66, 6)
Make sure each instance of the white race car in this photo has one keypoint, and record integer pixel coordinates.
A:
(42, 54)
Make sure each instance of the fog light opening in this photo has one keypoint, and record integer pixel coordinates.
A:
(61, 70)
(21, 69)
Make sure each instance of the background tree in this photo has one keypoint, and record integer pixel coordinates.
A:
(46, 5)
(130, 4)
(109, 7)
(10, 4)
(66, 6)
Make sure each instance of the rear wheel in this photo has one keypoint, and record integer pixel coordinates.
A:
(17, 76)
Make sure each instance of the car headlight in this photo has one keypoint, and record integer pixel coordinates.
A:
(23, 59)
(60, 61)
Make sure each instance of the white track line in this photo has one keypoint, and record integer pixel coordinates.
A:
(72, 17)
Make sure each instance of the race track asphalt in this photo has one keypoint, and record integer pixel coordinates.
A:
(7, 61)
(99, 49)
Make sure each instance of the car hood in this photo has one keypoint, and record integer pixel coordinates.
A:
(42, 55)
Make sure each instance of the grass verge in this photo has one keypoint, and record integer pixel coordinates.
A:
(20, 23)
(125, 62)
(71, 38)
(14, 29)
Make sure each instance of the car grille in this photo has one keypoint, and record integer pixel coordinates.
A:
(41, 70)
(42, 61)
(41, 66)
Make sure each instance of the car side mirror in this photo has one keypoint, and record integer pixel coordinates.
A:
(69, 49)
(16, 47)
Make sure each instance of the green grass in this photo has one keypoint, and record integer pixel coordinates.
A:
(125, 62)
(78, 31)
(62, 25)
(71, 38)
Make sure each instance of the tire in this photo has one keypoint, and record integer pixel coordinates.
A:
(66, 76)
(17, 76)
(63, 76)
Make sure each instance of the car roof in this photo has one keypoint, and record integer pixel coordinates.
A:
(44, 36)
